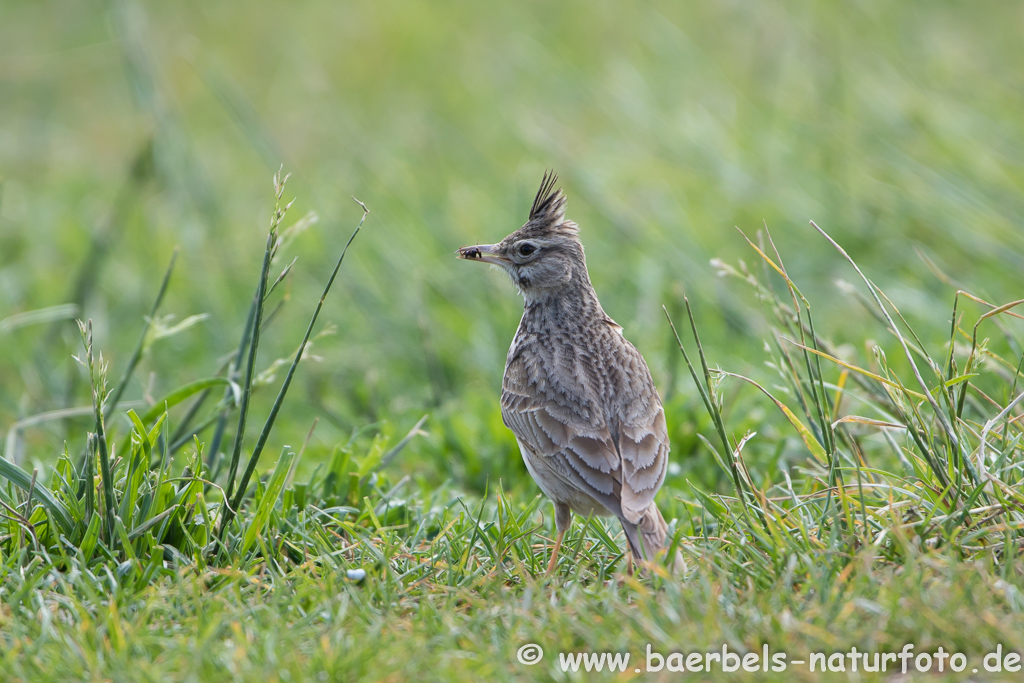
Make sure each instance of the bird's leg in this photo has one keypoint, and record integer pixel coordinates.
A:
(554, 554)
(563, 519)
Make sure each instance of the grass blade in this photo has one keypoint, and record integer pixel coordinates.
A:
(267, 501)
(23, 480)
(236, 502)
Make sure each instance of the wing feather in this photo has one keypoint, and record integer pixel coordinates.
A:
(556, 422)
(555, 400)
(643, 436)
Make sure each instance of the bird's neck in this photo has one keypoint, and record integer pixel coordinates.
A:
(574, 300)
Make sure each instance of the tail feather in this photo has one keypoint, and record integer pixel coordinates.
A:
(648, 538)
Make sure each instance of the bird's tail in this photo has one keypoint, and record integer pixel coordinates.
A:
(648, 539)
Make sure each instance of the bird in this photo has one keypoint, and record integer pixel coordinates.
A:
(577, 395)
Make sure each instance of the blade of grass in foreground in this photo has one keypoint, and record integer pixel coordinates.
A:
(23, 480)
(230, 509)
(257, 322)
(267, 502)
(940, 415)
(98, 382)
(232, 375)
(243, 412)
(707, 394)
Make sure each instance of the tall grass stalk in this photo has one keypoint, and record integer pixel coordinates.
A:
(803, 515)
(234, 503)
(97, 370)
(254, 334)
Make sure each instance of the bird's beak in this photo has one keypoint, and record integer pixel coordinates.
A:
(485, 253)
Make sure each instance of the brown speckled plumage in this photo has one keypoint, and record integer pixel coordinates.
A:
(577, 395)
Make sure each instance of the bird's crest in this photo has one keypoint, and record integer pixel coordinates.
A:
(548, 210)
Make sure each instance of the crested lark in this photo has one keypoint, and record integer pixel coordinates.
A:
(577, 395)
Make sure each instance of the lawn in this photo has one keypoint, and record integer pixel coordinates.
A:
(222, 461)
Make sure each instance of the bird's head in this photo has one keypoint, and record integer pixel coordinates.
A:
(545, 255)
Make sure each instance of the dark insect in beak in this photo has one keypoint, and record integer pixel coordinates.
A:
(483, 253)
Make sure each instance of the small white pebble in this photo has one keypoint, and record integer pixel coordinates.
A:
(356, 574)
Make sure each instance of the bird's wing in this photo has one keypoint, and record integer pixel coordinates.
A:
(548, 403)
(642, 435)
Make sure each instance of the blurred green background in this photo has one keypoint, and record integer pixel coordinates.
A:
(128, 128)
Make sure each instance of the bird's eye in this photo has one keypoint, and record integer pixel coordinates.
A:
(526, 249)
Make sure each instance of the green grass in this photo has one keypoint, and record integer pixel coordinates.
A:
(841, 400)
